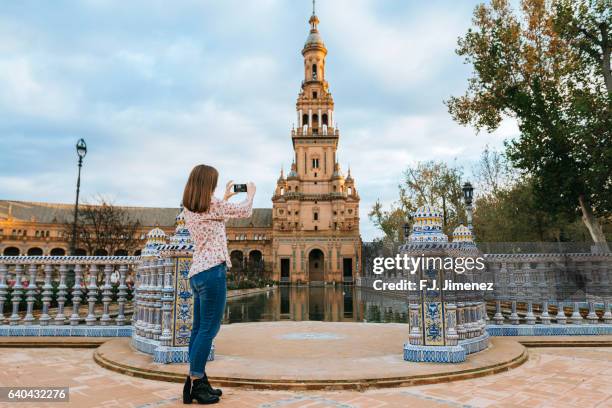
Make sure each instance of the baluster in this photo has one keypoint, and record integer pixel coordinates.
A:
(142, 303)
(592, 316)
(16, 295)
(530, 317)
(149, 300)
(415, 337)
(31, 293)
(60, 319)
(137, 299)
(121, 296)
(167, 302)
(545, 317)
(607, 316)
(461, 328)
(92, 294)
(159, 270)
(576, 318)
(46, 296)
(452, 338)
(514, 318)
(106, 296)
(561, 318)
(3, 290)
(499, 317)
(76, 295)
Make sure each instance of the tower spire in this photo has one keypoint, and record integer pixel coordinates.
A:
(313, 7)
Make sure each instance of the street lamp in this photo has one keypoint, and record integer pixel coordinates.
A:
(81, 149)
(468, 195)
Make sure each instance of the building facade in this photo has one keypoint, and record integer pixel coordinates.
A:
(311, 233)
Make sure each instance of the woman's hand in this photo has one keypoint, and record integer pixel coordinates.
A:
(251, 189)
(229, 190)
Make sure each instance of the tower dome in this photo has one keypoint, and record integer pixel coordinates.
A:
(463, 234)
(427, 225)
(155, 238)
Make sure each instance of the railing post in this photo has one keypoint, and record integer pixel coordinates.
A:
(514, 317)
(607, 316)
(60, 319)
(76, 295)
(545, 317)
(592, 316)
(106, 295)
(576, 317)
(121, 296)
(46, 296)
(415, 330)
(461, 324)
(167, 301)
(16, 295)
(452, 338)
(159, 272)
(92, 293)
(3, 290)
(499, 317)
(29, 318)
(530, 317)
(561, 318)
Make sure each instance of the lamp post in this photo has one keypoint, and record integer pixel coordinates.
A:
(81, 149)
(468, 195)
(406, 231)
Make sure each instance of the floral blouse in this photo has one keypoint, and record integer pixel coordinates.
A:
(208, 232)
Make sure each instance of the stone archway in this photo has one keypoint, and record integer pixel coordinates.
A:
(11, 251)
(255, 262)
(316, 266)
(35, 251)
(237, 259)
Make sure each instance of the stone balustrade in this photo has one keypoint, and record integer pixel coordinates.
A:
(85, 284)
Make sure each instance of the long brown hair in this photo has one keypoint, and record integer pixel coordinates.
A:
(200, 188)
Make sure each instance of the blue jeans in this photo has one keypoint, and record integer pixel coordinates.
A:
(209, 292)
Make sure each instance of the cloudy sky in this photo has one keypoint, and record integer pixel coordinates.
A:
(155, 87)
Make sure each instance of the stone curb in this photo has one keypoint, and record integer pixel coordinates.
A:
(303, 385)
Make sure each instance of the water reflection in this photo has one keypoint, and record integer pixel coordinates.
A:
(324, 303)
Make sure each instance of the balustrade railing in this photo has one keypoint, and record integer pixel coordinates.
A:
(549, 312)
(55, 289)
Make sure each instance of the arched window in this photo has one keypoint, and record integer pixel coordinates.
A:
(80, 252)
(316, 216)
(324, 119)
(11, 251)
(35, 252)
(314, 71)
(58, 252)
(305, 119)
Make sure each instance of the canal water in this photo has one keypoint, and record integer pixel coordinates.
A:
(330, 303)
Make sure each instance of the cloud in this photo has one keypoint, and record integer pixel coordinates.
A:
(155, 88)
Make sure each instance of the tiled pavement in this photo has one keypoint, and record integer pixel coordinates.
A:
(553, 377)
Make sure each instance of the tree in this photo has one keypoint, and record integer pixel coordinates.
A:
(549, 69)
(429, 183)
(104, 226)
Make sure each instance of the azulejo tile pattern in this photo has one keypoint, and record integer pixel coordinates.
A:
(183, 303)
(67, 331)
(164, 354)
(549, 330)
(434, 354)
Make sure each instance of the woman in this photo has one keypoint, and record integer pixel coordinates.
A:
(205, 218)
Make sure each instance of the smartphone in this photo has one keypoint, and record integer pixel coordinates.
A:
(240, 188)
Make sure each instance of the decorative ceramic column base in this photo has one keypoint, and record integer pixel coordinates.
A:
(434, 354)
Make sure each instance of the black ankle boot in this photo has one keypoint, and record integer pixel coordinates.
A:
(200, 391)
(211, 390)
(187, 391)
